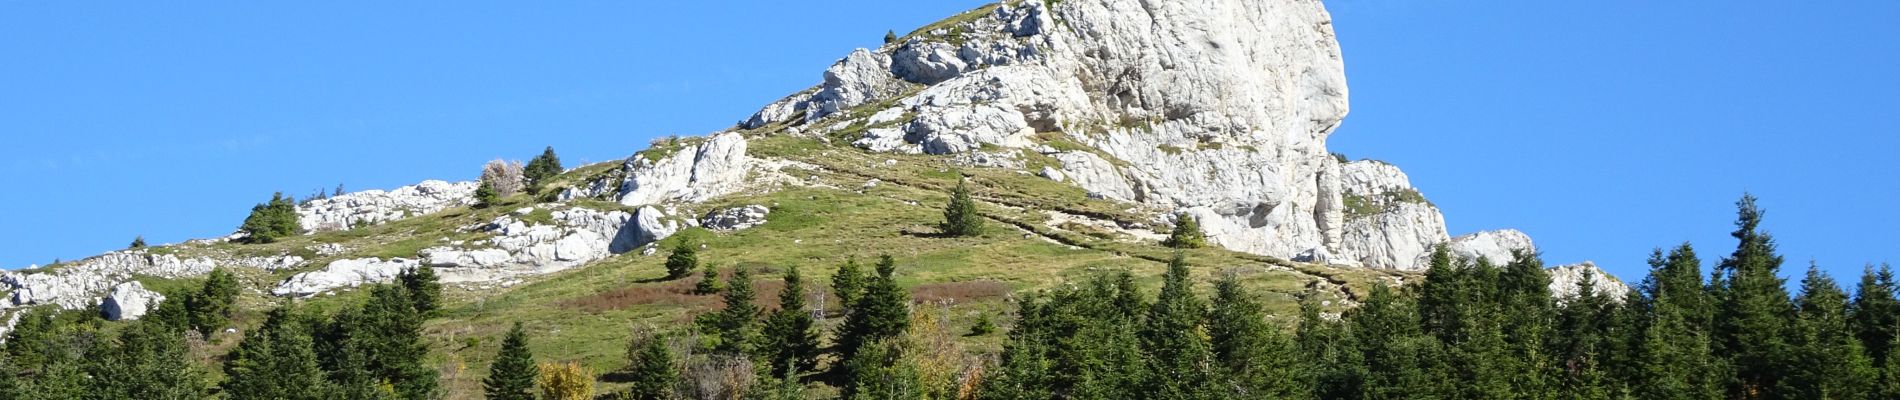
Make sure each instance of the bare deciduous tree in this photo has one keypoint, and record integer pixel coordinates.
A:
(504, 176)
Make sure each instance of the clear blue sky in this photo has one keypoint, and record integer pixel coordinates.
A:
(1603, 129)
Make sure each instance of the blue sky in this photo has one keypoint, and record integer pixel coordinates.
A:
(1603, 129)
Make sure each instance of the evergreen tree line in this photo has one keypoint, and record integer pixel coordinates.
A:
(1475, 330)
(371, 351)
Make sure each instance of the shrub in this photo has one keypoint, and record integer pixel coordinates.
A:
(137, 242)
(271, 221)
(890, 37)
(566, 381)
(505, 177)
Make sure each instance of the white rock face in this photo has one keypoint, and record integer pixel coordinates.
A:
(129, 301)
(735, 218)
(519, 248)
(372, 207)
(79, 284)
(1494, 246)
(343, 274)
(711, 169)
(1216, 108)
(1565, 281)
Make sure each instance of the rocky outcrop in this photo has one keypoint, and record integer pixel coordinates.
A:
(1566, 281)
(343, 274)
(715, 167)
(372, 207)
(80, 283)
(735, 218)
(1217, 109)
(129, 301)
(519, 247)
(1493, 246)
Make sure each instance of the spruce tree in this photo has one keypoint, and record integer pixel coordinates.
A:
(652, 370)
(737, 325)
(848, 283)
(1578, 344)
(210, 308)
(1674, 358)
(960, 217)
(790, 341)
(683, 260)
(512, 375)
(881, 371)
(1394, 357)
(1753, 312)
(275, 361)
(890, 37)
(1259, 359)
(486, 196)
(1179, 356)
(544, 166)
(271, 221)
(1828, 361)
(1875, 313)
(882, 312)
(423, 287)
(1332, 368)
(138, 242)
(708, 280)
(147, 361)
(11, 387)
(391, 329)
(1023, 369)
(1186, 234)
(1524, 313)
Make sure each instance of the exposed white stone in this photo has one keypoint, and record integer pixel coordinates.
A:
(1052, 173)
(272, 263)
(372, 207)
(343, 274)
(1493, 246)
(129, 301)
(735, 218)
(79, 284)
(713, 168)
(1566, 281)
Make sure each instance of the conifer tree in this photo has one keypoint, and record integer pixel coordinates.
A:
(1524, 314)
(881, 371)
(708, 280)
(138, 242)
(1186, 234)
(542, 167)
(848, 283)
(275, 361)
(1875, 313)
(146, 362)
(271, 221)
(890, 37)
(652, 370)
(1752, 309)
(1579, 344)
(1023, 368)
(1673, 356)
(791, 342)
(486, 195)
(1396, 359)
(960, 217)
(737, 324)
(683, 260)
(391, 333)
(10, 385)
(210, 308)
(1828, 361)
(423, 287)
(1332, 367)
(512, 375)
(1259, 359)
(1179, 354)
(882, 312)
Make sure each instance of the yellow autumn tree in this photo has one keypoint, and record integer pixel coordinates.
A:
(566, 381)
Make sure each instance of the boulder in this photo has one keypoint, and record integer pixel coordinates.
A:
(343, 274)
(129, 301)
(735, 218)
(372, 207)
